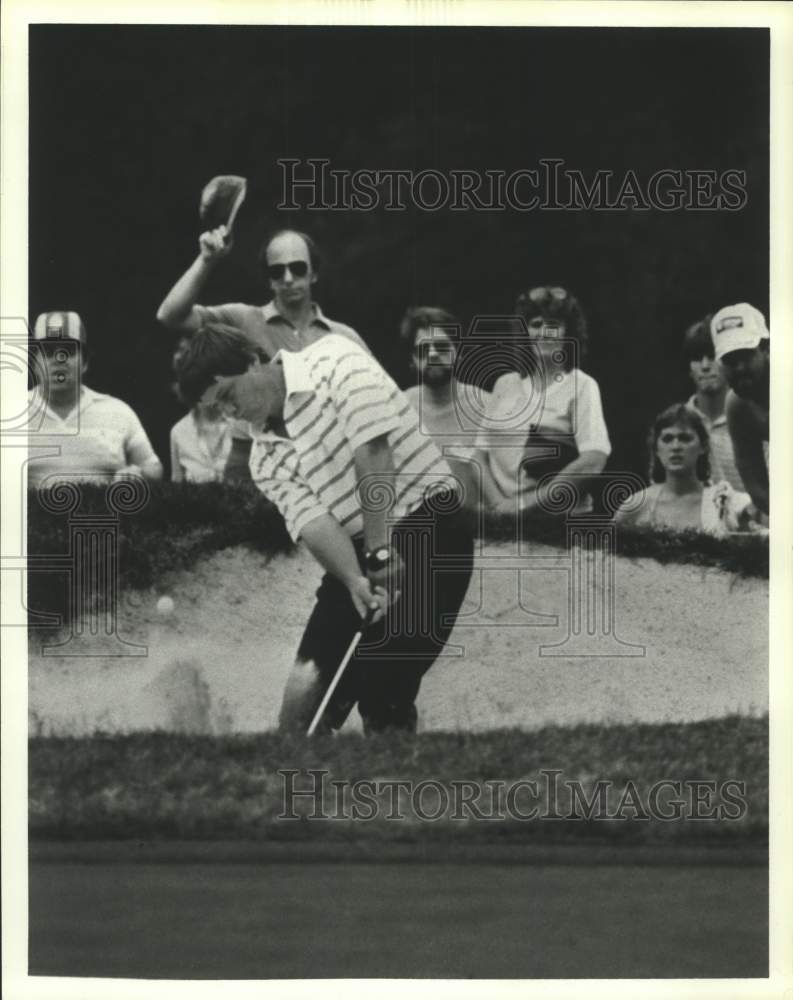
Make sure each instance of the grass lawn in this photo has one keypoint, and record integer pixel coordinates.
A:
(444, 920)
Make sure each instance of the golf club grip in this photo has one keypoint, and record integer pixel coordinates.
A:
(340, 670)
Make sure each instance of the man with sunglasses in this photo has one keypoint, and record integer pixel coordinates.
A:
(448, 410)
(290, 321)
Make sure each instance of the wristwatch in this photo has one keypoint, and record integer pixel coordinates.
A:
(377, 559)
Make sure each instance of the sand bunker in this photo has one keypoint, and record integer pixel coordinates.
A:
(691, 643)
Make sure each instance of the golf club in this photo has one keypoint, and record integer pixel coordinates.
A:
(341, 668)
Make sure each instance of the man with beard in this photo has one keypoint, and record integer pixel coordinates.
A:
(741, 343)
(446, 407)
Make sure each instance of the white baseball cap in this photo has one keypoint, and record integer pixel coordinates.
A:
(737, 328)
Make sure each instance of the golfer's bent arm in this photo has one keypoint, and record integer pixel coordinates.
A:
(332, 547)
(374, 472)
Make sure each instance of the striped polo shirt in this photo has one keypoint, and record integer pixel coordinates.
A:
(338, 398)
(273, 332)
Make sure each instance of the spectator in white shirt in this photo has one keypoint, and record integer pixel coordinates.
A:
(86, 433)
(201, 440)
(200, 445)
(548, 418)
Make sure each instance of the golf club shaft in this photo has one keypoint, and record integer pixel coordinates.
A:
(338, 675)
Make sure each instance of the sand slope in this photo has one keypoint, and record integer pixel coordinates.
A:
(696, 647)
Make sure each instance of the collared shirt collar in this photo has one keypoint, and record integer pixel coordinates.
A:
(272, 314)
(721, 419)
(87, 397)
(297, 377)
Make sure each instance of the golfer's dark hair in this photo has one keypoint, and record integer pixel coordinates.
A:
(698, 342)
(552, 302)
(313, 250)
(682, 416)
(421, 318)
(214, 349)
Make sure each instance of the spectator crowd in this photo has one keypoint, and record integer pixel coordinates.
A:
(543, 418)
(295, 402)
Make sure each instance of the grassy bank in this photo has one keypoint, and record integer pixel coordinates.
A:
(170, 786)
(180, 523)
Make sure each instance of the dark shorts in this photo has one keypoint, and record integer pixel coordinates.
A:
(383, 677)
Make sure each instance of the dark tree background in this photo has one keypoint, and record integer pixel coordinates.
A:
(128, 123)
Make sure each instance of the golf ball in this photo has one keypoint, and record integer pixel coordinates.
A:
(165, 606)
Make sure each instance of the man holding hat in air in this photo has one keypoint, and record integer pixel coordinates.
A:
(741, 342)
(289, 322)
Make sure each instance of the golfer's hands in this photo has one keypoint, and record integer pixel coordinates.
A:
(367, 598)
(215, 244)
(240, 397)
(390, 576)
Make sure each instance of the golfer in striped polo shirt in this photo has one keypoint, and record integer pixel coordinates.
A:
(338, 448)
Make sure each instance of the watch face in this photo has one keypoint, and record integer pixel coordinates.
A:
(378, 558)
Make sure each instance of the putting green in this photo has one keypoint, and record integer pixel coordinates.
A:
(243, 921)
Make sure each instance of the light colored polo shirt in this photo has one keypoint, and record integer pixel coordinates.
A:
(199, 454)
(272, 331)
(722, 457)
(101, 435)
(338, 398)
(570, 406)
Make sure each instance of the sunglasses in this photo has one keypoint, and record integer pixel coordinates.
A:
(547, 327)
(544, 293)
(443, 351)
(297, 268)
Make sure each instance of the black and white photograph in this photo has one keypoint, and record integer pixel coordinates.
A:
(390, 438)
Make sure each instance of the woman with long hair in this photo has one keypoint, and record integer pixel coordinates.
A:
(681, 495)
